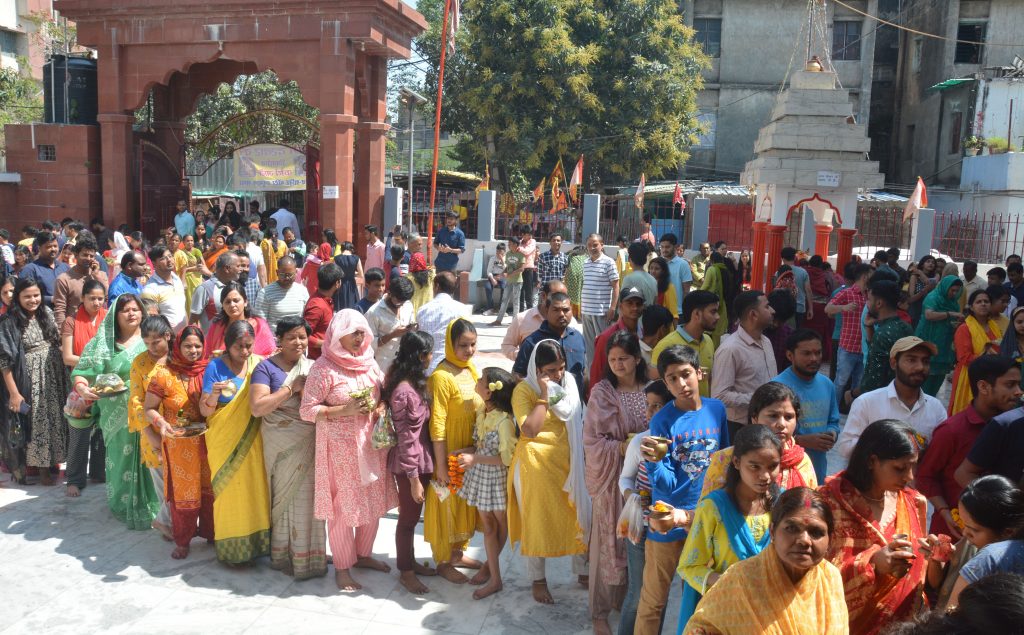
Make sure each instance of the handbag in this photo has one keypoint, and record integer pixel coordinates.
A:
(383, 436)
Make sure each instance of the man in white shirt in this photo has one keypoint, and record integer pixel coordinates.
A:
(434, 316)
(286, 219)
(902, 399)
(165, 287)
(600, 295)
(206, 297)
(390, 318)
(283, 298)
(257, 266)
(528, 321)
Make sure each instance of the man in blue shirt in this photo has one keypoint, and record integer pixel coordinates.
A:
(558, 314)
(695, 428)
(133, 267)
(679, 272)
(184, 221)
(450, 243)
(818, 426)
(45, 268)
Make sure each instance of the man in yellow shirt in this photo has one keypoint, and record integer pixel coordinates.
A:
(700, 314)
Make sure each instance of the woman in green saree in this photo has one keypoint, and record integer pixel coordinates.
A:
(717, 280)
(941, 315)
(130, 493)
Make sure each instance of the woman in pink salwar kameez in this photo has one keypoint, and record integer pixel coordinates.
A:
(353, 485)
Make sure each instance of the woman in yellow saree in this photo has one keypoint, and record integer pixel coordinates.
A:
(716, 279)
(241, 504)
(790, 588)
(273, 249)
(978, 335)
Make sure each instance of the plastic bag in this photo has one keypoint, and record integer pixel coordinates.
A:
(77, 406)
(383, 436)
(631, 520)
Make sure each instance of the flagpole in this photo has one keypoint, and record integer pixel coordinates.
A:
(437, 123)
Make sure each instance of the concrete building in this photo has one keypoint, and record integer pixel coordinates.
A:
(752, 45)
(933, 115)
(17, 34)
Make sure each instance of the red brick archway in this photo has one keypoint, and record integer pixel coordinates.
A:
(335, 50)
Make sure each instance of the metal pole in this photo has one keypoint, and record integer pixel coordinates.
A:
(412, 155)
(437, 123)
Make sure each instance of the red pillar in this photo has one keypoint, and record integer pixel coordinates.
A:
(821, 236)
(845, 249)
(336, 138)
(773, 248)
(370, 155)
(757, 256)
(116, 159)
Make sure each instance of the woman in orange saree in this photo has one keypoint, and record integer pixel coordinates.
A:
(880, 523)
(174, 389)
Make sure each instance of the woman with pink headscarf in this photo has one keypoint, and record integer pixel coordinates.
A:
(353, 485)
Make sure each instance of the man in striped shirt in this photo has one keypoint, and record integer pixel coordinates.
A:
(282, 298)
(600, 292)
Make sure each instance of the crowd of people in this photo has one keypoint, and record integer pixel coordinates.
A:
(276, 397)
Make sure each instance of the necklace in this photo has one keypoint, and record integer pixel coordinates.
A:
(875, 500)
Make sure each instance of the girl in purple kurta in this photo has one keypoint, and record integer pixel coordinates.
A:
(353, 485)
(616, 411)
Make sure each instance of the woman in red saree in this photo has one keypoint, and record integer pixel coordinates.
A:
(312, 265)
(879, 528)
(234, 306)
(821, 292)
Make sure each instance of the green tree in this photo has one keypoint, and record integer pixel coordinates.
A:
(537, 80)
(20, 99)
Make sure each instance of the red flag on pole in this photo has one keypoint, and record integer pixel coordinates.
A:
(918, 200)
(576, 179)
(677, 195)
(638, 197)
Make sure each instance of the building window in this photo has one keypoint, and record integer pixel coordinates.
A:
(8, 42)
(47, 152)
(956, 124)
(846, 41)
(967, 53)
(709, 35)
(708, 122)
(915, 58)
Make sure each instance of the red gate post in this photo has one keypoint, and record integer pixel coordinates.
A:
(757, 256)
(773, 249)
(821, 238)
(845, 249)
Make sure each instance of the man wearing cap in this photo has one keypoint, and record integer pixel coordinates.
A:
(883, 307)
(902, 399)
(631, 306)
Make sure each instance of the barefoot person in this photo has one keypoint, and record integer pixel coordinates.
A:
(172, 399)
(549, 509)
(411, 459)
(298, 541)
(486, 466)
(449, 524)
(353, 487)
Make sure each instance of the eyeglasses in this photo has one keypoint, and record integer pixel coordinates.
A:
(286, 276)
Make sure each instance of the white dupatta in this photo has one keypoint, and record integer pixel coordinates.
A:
(564, 402)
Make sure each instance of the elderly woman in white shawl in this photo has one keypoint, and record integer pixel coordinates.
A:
(549, 509)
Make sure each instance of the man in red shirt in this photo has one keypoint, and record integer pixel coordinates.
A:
(850, 303)
(995, 382)
(320, 308)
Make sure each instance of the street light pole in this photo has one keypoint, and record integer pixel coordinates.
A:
(412, 99)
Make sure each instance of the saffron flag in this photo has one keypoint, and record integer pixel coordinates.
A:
(576, 180)
(485, 183)
(559, 203)
(638, 197)
(918, 200)
(538, 192)
(453, 26)
(677, 196)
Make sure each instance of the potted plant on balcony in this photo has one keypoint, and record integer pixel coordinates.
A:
(973, 145)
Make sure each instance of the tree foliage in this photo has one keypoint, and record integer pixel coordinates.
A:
(250, 94)
(537, 80)
(20, 98)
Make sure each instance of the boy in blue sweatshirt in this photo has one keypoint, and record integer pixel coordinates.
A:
(696, 428)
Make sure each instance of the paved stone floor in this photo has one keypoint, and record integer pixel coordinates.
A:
(69, 567)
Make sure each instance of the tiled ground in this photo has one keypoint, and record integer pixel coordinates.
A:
(68, 566)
